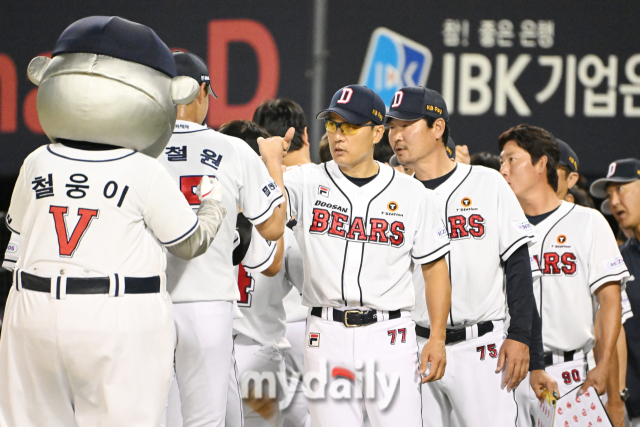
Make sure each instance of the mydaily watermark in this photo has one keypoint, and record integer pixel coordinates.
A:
(339, 384)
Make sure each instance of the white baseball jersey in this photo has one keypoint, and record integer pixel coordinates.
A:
(358, 242)
(192, 152)
(264, 318)
(486, 225)
(86, 213)
(577, 253)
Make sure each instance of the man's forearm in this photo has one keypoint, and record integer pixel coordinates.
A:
(610, 320)
(438, 296)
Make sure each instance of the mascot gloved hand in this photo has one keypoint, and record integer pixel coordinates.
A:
(88, 336)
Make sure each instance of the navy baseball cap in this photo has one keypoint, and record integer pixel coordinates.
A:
(620, 172)
(119, 38)
(357, 105)
(568, 157)
(416, 102)
(191, 65)
(451, 148)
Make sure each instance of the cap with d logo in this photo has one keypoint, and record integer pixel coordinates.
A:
(191, 65)
(620, 172)
(357, 105)
(413, 103)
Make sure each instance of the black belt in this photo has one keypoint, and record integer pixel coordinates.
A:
(355, 318)
(456, 335)
(92, 285)
(548, 357)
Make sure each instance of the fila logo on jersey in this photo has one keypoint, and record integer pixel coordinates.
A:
(323, 191)
(345, 96)
(466, 202)
(392, 206)
(314, 339)
(556, 264)
(463, 228)
(337, 224)
(397, 99)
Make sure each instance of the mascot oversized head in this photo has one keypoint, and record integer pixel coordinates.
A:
(110, 81)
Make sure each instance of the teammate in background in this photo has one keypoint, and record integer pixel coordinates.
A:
(276, 116)
(203, 290)
(484, 222)
(621, 188)
(568, 190)
(360, 225)
(575, 265)
(567, 170)
(323, 149)
(488, 160)
(260, 342)
(88, 335)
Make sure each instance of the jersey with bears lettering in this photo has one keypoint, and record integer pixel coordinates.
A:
(358, 242)
(486, 225)
(577, 253)
(264, 318)
(83, 213)
(192, 152)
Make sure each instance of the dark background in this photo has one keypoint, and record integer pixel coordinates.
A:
(29, 28)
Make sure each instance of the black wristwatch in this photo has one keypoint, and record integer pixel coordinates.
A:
(624, 394)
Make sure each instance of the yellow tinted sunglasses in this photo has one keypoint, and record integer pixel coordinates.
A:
(346, 128)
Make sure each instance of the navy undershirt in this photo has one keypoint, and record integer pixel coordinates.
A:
(537, 219)
(432, 184)
(361, 181)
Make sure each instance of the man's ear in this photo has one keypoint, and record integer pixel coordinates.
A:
(541, 163)
(305, 137)
(202, 93)
(439, 126)
(573, 179)
(379, 133)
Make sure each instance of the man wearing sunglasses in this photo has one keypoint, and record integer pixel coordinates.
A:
(489, 236)
(360, 224)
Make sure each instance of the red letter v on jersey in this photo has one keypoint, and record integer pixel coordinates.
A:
(69, 245)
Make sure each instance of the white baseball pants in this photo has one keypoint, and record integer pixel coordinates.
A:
(85, 360)
(470, 390)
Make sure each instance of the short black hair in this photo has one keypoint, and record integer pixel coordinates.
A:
(431, 120)
(382, 151)
(488, 160)
(278, 115)
(246, 130)
(537, 142)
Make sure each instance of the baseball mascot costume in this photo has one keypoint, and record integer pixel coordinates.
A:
(88, 332)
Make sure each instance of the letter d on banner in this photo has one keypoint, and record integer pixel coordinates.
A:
(257, 36)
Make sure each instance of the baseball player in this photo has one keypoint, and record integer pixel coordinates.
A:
(203, 290)
(575, 265)
(88, 332)
(621, 187)
(484, 222)
(568, 176)
(567, 169)
(276, 116)
(360, 224)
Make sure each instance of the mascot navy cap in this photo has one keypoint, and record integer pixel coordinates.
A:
(118, 38)
(191, 65)
(356, 104)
